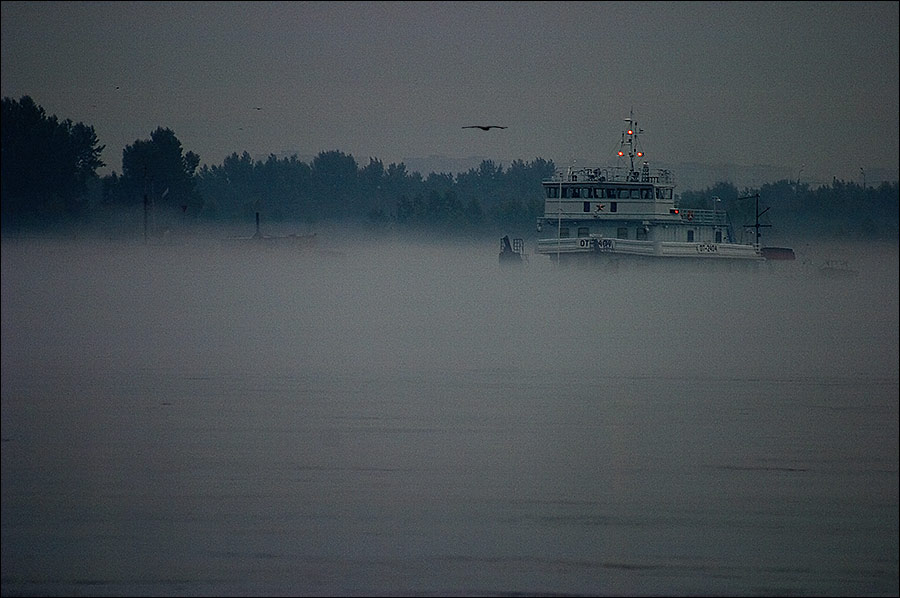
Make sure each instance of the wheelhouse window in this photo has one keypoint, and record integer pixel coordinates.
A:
(552, 192)
(641, 233)
(613, 206)
(587, 207)
(583, 231)
(622, 233)
(647, 193)
(690, 236)
(718, 236)
(564, 232)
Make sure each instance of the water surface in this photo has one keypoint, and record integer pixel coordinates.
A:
(408, 419)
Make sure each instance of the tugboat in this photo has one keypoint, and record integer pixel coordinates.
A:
(626, 213)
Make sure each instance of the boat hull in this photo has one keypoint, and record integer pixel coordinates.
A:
(590, 247)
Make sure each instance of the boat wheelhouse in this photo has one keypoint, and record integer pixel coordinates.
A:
(627, 212)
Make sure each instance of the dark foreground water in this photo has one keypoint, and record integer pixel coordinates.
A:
(410, 420)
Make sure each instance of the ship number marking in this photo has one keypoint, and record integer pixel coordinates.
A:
(596, 243)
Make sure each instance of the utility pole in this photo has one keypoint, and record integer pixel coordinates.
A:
(146, 207)
(146, 215)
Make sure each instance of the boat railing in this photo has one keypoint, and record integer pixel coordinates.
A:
(714, 217)
(613, 174)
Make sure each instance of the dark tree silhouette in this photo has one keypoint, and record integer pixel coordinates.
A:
(47, 165)
(158, 173)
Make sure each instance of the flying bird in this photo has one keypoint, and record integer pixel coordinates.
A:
(484, 127)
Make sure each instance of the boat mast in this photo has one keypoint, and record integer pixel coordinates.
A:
(757, 226)
(629, 138)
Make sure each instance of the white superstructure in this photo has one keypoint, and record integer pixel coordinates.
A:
(623, 211)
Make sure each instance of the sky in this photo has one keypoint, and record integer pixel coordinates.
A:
(810, 86)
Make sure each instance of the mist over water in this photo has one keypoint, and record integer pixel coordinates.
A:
(388, 417)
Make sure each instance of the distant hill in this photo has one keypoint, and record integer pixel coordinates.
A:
(695, 177)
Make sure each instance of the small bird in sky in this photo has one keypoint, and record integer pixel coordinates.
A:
(257, 108)
(484, 127)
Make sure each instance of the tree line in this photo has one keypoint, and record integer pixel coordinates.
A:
(844, 210)
(49, 177)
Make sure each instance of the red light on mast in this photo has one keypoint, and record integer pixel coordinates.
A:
(630, 132)
(621, 153)
(640, 154)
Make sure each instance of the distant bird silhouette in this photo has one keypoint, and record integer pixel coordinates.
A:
(484, 127)
(257, 108)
